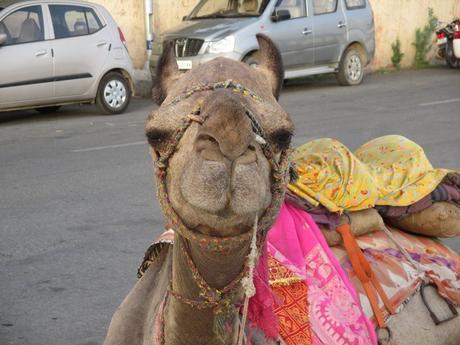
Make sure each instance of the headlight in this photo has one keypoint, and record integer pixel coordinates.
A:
(225, 45)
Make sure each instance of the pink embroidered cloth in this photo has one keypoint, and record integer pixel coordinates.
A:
(335, 314)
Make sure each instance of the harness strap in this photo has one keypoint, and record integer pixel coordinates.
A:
(364, 272)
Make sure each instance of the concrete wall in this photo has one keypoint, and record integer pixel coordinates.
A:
(393, 18)
(168, 13)
(401, 18)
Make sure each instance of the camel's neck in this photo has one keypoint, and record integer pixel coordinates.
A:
(186, 325)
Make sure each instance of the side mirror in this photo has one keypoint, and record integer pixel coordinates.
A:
(3, 39)
(280, 15)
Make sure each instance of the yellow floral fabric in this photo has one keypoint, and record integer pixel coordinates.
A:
(390, 170)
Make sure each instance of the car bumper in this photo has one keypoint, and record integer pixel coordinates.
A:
(192, 60)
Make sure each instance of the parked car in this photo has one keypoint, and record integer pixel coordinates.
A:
(56, 53)
(314, 36)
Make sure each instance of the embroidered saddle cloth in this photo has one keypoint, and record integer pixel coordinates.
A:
(318, 298)
(398, 277)
(315, 302)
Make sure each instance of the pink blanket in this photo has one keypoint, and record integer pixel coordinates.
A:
(335, 314)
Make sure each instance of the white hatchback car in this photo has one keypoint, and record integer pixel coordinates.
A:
(54, 53)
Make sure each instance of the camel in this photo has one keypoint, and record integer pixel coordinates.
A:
(219, 143)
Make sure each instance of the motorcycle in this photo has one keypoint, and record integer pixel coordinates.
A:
(448, 41)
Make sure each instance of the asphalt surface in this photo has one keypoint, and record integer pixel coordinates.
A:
(77, 201)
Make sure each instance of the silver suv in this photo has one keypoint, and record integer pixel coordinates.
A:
(54, 53)
(314, 36)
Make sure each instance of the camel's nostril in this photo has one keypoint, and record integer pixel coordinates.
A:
(251, 148)
(282, 138)
(208, 147)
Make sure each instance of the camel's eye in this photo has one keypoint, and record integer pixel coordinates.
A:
(281, 138)
(156, 137)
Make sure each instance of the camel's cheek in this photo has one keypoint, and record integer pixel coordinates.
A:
(251, 187)
(179, 165)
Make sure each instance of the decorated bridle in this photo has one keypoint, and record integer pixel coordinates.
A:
(220, 301)
(280, 172)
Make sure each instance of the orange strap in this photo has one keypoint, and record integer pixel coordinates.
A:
(365, 274)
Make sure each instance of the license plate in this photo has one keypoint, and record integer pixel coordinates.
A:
(184, 64)
(442, 41)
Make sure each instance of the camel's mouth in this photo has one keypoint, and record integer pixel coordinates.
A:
(229, 190)
(216, 195)
(222, 232)
(223, 187)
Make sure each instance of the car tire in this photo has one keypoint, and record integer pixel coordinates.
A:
(114, 94)
(252, 59)
(46, 110)
(451, 60)
(351, 68)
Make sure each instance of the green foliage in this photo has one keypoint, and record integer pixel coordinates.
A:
(423, 38)
(397, 54)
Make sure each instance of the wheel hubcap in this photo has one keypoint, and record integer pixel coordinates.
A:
(354, 68)
(115, 94)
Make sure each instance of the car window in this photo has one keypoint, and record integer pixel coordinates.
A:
(23, 26)
(353, 4)
(71, 21)
(228, 9)
(295, 7)
(324, 6)
(94, 23)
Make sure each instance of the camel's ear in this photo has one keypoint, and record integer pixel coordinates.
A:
(167, 73)
(271, 63)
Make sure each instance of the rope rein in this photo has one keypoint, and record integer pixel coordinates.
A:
(248, 282)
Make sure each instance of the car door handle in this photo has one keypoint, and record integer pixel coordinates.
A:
(306, 31)
(101, 43)
(40, 53)
(341, 25)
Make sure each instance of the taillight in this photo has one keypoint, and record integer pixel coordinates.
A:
(457, 34)
(441, 34)
(122, 37)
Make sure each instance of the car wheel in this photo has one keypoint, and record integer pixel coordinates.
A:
(252, 59)
(351, 68)
(451, 60)
(114, 94)
(46, 110)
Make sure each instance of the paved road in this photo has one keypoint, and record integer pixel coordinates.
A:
(77, 205)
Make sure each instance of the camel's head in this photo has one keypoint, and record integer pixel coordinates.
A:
(218, 177)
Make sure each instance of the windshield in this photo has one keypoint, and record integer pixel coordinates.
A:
(228, 9)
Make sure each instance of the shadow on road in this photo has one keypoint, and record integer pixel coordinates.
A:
(312, 82)
(67, 112)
